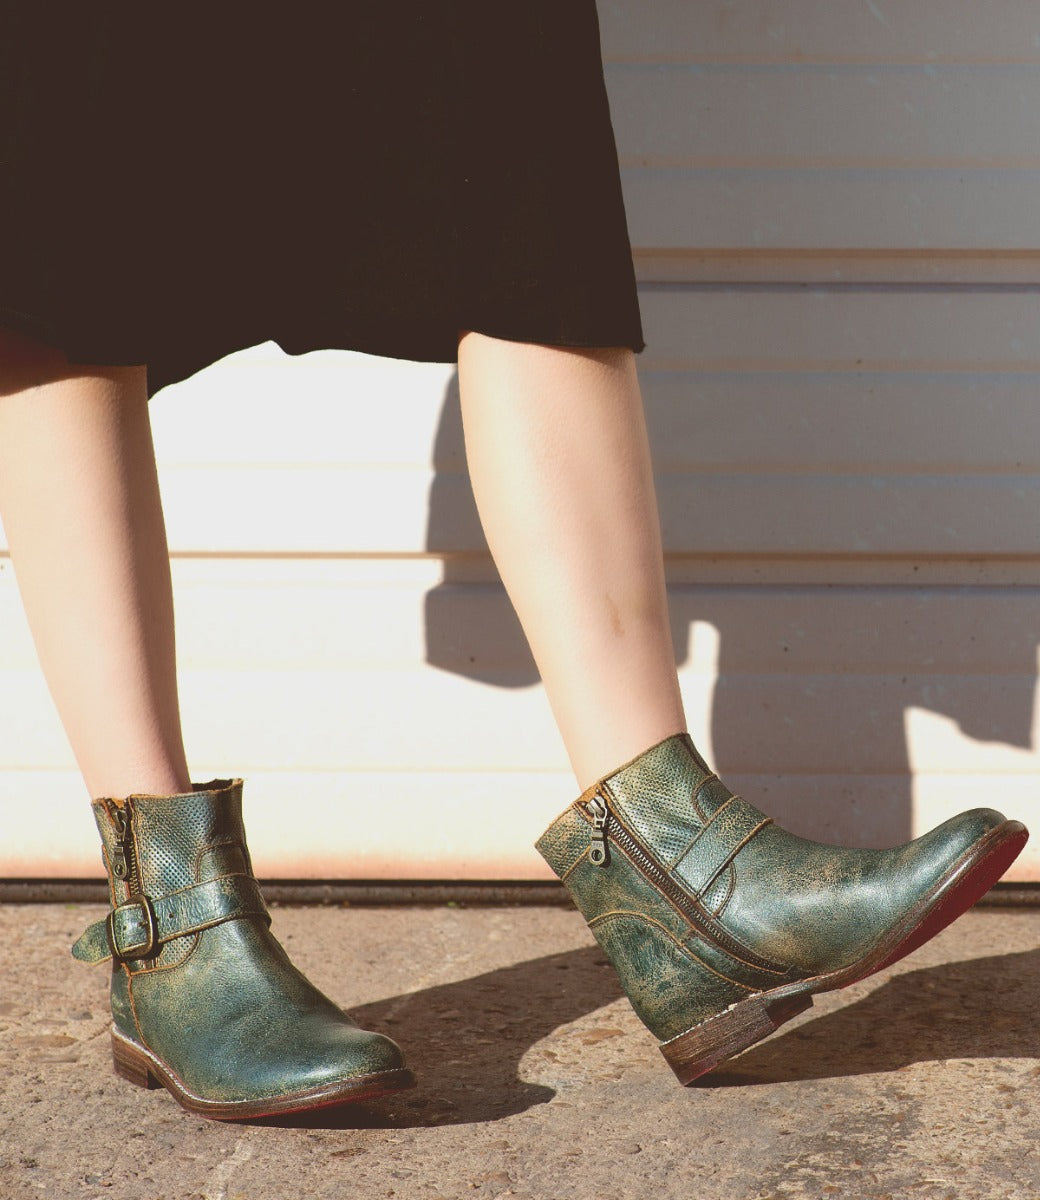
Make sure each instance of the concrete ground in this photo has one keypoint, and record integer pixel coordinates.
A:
(537, 1081)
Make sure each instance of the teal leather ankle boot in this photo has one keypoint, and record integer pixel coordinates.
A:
(722, 926)
(205, 1001)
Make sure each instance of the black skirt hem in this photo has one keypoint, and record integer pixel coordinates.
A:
(163, 374)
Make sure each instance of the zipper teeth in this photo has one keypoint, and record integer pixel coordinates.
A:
(126, 846)
(702, 921)
(132, 880)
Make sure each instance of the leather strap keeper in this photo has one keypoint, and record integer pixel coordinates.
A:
(731, 827)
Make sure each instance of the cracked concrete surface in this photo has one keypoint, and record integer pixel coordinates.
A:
(538, 1083)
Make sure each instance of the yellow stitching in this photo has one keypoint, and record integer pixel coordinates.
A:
(192, 886)
(730, 885)
(194, 938)
(708, 967)
(697, 793)
(735, 851)
(227, 841)
(630, 912)
(779, 973)
(566, 874)
(619, 912)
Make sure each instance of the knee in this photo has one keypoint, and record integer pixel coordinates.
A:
(26, 362)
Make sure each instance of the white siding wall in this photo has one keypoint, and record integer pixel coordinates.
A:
(833, 206)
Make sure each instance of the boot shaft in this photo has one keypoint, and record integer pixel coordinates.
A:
(154, 845)
(176, 865)
(674, 806)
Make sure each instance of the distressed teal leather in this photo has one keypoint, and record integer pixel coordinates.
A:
(201, 983)
(730, 904)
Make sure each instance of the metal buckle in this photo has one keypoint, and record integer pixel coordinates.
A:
(144, 949)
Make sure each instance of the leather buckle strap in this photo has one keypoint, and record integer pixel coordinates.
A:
(140, 926)
(131, 931)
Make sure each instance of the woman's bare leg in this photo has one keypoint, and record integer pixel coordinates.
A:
(79, 500)
(560, 465)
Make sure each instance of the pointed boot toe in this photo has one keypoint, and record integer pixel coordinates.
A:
(953, 866)
(205, 1001)
(722, 926)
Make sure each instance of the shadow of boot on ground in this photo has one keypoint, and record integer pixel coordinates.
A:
(976, 1008)
(465, 1040)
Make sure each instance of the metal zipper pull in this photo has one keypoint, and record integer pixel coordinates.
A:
(121, 854)
(599, 854)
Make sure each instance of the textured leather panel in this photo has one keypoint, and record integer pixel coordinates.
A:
(719, 840)
(655, 795)
(170, 844)
(172, 837)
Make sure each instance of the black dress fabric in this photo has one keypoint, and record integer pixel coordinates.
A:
(180, 181)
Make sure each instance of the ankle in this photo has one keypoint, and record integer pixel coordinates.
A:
(160, 780)
(594, 761)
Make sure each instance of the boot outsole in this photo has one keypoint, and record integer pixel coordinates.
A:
(139, 1066)
(705, 1046)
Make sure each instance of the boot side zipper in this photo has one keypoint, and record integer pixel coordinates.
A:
(604, 817)
(124, 866)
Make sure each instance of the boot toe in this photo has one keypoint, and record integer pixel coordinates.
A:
(962, 843)
(321, 1059)
(371, 1054)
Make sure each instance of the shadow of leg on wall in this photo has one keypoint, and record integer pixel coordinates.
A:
(471, 628)
(809, 708)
